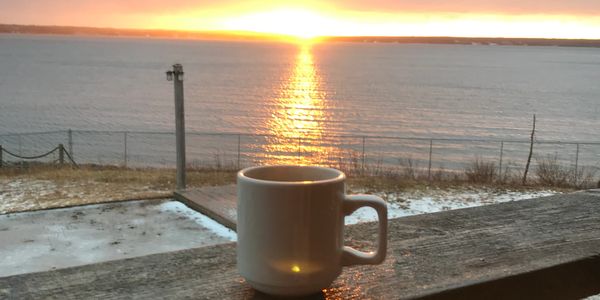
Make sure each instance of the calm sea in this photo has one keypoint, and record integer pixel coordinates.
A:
(288, 90)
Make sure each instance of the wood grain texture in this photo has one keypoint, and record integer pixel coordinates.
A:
(523, 249)
(217, 202)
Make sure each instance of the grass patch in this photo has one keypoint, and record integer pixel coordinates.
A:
(551, 173)
(155, 178)
(481, 172)
(38, 186)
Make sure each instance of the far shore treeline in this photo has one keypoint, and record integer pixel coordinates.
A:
(213, 35)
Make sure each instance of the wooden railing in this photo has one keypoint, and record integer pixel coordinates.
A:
(545, 248)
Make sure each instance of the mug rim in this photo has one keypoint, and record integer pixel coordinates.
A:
(339, 178)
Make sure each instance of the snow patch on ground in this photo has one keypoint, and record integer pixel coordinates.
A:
(410, 203)
(202, 220)
(50, 239)
(16, 192)
(22, 194)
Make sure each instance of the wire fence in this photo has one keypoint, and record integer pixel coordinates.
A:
(238, 150)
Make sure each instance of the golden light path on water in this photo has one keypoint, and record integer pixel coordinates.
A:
(298, 119)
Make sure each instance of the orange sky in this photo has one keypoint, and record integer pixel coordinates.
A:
(492, 18)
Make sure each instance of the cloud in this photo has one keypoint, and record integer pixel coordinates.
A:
(194, 13)
(583, 7)
(64, 7)
(577, 7)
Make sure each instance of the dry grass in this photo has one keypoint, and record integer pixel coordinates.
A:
(481, 172)
(551, 173)
(154, 178)
(40, 186)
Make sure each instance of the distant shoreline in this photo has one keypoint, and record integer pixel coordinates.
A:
(237, 36)
(491, 41)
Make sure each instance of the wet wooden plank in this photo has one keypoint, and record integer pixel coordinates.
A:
(218, 202)
(545, 248)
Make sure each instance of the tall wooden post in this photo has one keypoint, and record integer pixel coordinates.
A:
(577, 165)
(70, 138)
(530, 152)
(500, 164)
(239, 150)
(430, 154)
(363, 155)
(176, 75)
(125, 149)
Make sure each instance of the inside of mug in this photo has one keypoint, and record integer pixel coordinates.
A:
(293, 173)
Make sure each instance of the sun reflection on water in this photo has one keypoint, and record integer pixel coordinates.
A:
(298, 119)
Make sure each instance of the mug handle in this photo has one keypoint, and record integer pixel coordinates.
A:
(351, 256)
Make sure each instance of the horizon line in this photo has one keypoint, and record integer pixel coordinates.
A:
(237, 34)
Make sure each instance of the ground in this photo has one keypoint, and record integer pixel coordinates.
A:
(48, 239)
(24, 194)
(34, 187)
(44, 239)
(38, 191)
(419, 201)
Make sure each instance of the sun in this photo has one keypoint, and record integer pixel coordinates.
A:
(299, 23)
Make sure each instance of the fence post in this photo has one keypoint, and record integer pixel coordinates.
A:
(501, 156)
(577, 165)
(71, 143)
(430, 153)
(20, 153)
(61, 154)
(1, 156)
(239, 150)
(125, 149)
(20, 146)
(363, 154)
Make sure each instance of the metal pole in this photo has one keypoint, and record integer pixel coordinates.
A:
(61, 154)
(125, 149)
(363, 154)
(577, 164)
(177, 76)
(20, 152)
(501, 154)
(239, 150)
(430, 153)
(71, 143)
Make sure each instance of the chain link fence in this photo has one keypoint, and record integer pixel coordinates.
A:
(429, 156)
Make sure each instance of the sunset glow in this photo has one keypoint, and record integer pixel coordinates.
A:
(468, 18)
(308, 24)
(298, 120)
(299, 23)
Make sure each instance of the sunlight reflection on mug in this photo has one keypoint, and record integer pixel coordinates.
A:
(297, 123)
(299, 268)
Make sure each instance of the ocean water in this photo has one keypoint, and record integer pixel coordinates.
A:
(285, 92)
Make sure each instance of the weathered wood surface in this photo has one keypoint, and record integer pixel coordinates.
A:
(218, 202)
(545, 248)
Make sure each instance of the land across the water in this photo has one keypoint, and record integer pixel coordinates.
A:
(242, 35)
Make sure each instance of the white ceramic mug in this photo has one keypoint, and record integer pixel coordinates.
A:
(290, 226)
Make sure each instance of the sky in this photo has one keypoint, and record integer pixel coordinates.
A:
(311, 18)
